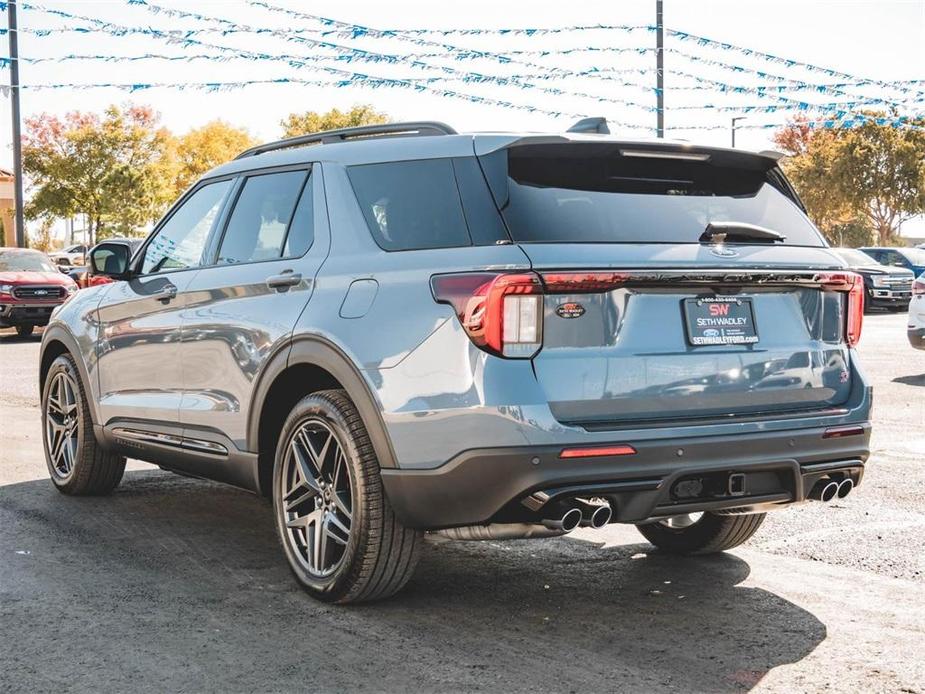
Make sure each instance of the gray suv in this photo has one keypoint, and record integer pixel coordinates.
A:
(399, 329)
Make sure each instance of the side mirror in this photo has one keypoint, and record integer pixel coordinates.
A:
(111, 259)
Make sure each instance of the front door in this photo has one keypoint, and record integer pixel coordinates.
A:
(139, 360)
(244, 305)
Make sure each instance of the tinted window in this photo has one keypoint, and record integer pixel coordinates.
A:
(257, 227)
(302, 227)
(592, 193)
(485, 224)
(180, 241)
(893, 258)
(412, 204)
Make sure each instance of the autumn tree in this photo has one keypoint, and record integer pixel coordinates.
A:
(204, 148)
(312, 122)
(881, 171)
(113, 168)
(857, 182)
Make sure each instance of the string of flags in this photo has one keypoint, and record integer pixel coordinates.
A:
(328, 55)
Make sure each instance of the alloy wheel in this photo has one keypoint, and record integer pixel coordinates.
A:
(683, 521)
(62, 424)
(316, 501)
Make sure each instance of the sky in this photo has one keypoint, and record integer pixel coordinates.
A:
(883, 41)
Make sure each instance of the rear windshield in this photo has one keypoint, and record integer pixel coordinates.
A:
(592, 193)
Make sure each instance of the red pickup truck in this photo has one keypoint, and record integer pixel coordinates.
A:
(30, 288)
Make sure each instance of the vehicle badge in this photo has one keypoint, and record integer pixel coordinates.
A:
(723, 252)
(570, 310)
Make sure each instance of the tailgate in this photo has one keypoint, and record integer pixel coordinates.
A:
(762, 333)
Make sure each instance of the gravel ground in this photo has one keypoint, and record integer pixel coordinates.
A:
(178, 585)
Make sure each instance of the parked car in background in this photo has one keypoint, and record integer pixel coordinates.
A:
(85, 277)
(917, 314)
(397, 329)
(913, 259)
(885, 286)
(72, 255)
(30, 288)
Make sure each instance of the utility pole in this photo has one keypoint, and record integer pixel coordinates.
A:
(659, 70)
(735, 120)
(13, 38)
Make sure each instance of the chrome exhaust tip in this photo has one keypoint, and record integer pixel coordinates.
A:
(824, 490)
(568, 521)
(844, 489)
(829, 491)
(601, 516)
(595, 513)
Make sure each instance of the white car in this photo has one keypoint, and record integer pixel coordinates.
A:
(917, 313)
(71, 255)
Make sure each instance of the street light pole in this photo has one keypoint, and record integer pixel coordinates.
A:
(735, 120)
(13, 38)
(659, 70)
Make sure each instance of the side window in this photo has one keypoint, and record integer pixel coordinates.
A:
(301, 234)
(893, 258)
(411, 205)
(179, 243)
(257, 227)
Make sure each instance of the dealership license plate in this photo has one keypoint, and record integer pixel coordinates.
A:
(720, 320)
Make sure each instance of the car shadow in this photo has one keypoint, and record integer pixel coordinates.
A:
(10, 335)
(918, 380)
(181, 584)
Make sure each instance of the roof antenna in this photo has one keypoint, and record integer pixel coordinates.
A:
(590, 125)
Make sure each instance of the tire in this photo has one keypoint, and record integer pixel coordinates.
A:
(76, 462)
(710, 534)
(376, 556)
(24, 330)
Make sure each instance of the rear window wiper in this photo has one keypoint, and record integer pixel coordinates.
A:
(722, 232)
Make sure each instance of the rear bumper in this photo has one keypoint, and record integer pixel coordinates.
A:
(479, 486)
(26, 313)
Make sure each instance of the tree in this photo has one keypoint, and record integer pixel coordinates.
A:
(116, 169)
(857, 181)
(312, 122)
(881, 171)
(42, 241)
(204, 148)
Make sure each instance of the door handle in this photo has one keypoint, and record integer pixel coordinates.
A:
(167, 294)
(284, 280)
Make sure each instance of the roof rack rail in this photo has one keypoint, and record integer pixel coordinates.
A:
(410, 129)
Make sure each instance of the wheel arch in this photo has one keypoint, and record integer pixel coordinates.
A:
(55, 342)
(310, 364)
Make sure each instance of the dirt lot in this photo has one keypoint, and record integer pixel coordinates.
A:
(173, 584)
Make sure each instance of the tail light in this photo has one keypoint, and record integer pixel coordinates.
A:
(918, 287)
(853, 285)
(501, 313)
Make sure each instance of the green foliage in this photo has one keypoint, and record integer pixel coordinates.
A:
(857, 181)
(852, 234)
(204, 148)
(312, 122)
(115, 169)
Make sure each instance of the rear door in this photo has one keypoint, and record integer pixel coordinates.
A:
(243, 306)
(647, 319)
(139, 360)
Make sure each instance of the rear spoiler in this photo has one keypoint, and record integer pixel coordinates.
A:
(484, 144)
